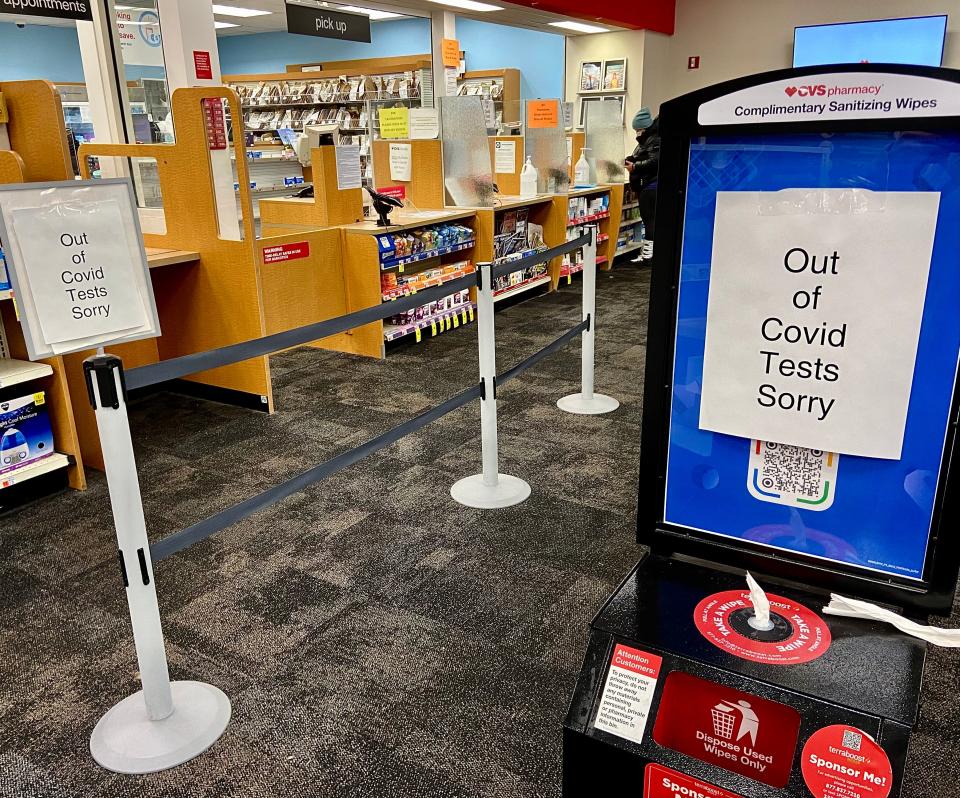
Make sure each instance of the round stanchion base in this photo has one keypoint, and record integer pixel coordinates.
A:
(125, 740)
(596, 405)
(473, 492)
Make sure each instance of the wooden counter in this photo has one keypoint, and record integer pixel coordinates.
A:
(158, 257)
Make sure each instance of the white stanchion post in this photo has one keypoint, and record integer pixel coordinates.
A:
(588, 403)
(491, 489)
(165, 723)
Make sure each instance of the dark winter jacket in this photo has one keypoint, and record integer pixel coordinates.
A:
(646, 158)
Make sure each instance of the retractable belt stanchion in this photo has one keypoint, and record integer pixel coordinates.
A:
(587, 402)
(490, 489)
(165, 723)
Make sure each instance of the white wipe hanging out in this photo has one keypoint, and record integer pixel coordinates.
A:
(852, 608)
(761, 606)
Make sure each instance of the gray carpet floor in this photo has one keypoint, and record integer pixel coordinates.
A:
(375, 638)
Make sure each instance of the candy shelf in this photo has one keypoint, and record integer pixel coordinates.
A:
(412, 286)
(394, 263)
(447, 320)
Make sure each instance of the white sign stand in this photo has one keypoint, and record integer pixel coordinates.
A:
(164, 724)
(491, 489)
(588, 403)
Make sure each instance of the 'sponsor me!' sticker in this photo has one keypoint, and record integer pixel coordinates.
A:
(799, 635)
(844, 762)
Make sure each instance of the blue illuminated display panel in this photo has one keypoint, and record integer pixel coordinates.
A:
(880, 511)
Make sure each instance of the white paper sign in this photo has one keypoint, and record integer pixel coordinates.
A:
(80, 272)
(401, 157)
(628, 693)
(813, 316)
(139, 32)
(489, 113)
(505, 157)
(75, 257)
(450, 76)
(832, 95)
(349, 174)
(424, 123)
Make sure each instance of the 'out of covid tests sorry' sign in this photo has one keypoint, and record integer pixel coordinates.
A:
(77, 264)
(815, 305)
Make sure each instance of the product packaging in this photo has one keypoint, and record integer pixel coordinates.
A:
(26, 434)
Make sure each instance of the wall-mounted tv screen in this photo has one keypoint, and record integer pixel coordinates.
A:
(914, 40)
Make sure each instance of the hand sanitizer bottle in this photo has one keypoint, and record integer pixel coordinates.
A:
(581, 173)
(528, 179)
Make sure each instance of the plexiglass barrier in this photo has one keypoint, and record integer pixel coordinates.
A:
(604, 142)
(468, 174)
(546, 145)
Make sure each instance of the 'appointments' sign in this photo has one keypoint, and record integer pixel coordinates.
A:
(61, 9)
(77, 264)
(327, 23)
(813, 317)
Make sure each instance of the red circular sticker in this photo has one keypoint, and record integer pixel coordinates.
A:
(844, 762)
(799, 635)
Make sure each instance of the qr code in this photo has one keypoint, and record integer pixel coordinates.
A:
(792, 475)
(852, 740)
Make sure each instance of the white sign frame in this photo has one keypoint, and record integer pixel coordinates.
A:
(832, 96)
(19, 196)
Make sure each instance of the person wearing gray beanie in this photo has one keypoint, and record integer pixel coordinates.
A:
(644, 166)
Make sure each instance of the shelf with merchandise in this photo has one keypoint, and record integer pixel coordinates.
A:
(599, 205)
(394, 285)
(347, 95)
(454, 316)
(524, 285)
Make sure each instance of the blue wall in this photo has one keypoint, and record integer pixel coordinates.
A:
(540, 57)
(53, 53)
(271, 52)
(40, 52)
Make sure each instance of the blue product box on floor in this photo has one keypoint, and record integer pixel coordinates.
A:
(26, 434)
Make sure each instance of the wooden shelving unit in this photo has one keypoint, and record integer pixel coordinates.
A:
(500, 85)
(347, 93)
(608, 222)
(540, 211)
(364, 268)
(38, 152)
(629, 236)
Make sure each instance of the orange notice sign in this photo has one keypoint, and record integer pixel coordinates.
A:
(543, 113)
(450, 51)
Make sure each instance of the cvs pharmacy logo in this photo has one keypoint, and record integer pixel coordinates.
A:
(820, 90)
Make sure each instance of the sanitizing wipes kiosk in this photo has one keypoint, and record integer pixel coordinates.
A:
(800, 414)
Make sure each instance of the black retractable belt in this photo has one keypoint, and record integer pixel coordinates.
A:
(178, 367)
(215, 523)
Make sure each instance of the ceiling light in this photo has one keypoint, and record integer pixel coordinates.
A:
(373, 13)
(233, 11)
(580, 27)
(468, 5)
(218, 24)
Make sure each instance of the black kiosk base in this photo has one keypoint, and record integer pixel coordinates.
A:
(686, 744)
(800, 418)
